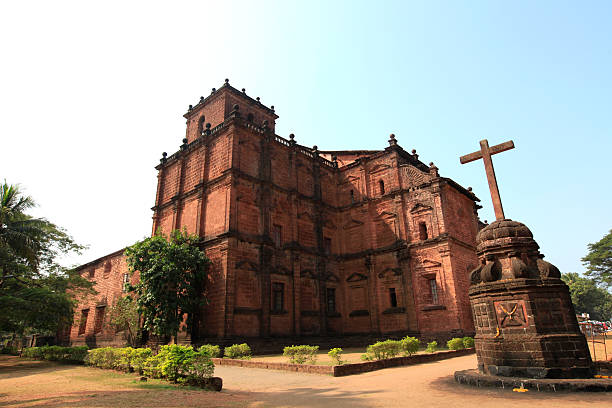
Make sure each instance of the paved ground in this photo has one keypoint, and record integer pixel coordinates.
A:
(31, 383)
(424, 385)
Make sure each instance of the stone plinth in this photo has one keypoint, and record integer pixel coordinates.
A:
(525, 321)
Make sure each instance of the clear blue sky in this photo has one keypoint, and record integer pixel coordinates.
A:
(93, 93)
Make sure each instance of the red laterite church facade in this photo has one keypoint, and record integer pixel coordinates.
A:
(303, 242)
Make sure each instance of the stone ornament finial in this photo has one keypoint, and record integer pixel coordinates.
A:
(392, 141)
(207, 131)
(414, 154)
(507, 250)
(213, 90)
(433, 170)
(226, 81)
(164, 158)
(292, 139)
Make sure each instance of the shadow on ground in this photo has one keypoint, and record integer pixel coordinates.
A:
(296, 397)
(24, 368)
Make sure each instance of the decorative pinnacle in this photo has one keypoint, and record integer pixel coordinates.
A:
(185, 141)
(190, 107)
(213, 90)
(207, 131)
(315, 148)
(236, 107)
(184, 145)
(164, 158)
(272, 107)
(243, 90)
(470, 189)
(414, 154)
(392, 141)
(226, 81)
(433, 170)
(257, 99)
(201, 99)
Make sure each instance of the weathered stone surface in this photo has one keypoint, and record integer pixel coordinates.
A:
(475, 378)
(525, 321)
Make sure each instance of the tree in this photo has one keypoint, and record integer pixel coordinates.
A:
(124, 315)
(587, 297)
(172, 274)
(598, 261)
(37, 295)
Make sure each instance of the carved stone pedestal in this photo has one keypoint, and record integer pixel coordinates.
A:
(525, 321)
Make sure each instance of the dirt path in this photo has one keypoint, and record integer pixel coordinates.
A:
(425, 385)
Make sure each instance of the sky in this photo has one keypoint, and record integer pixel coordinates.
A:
(91, 94)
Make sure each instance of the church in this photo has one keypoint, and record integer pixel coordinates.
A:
(304, 243)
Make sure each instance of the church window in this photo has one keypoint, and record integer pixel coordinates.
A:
(277, 235)
(331, 300)
(327, 245)
(382, 187)
(83, 322)
(278, 290)
(423, 231)
(433, 291)
(126, 282)
(201, 125)
(392, 297)
(107, 269)
(99, 318)
(352, 197)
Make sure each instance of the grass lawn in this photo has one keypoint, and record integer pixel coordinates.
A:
(27, 383)
(349, 355)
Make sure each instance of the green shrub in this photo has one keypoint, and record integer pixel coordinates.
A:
(432, 347)
(104, 357)
(301, 354)
(410, 345)
(212, 351)
(240, 351)
(366, 357)
(139, 358)
(202, 365)
(152, 365)
(455, 344)
(56, 353)
(336, 355)
(384, 349)
(177, 362)
(9, 350)
(468, 342)
(181, 364)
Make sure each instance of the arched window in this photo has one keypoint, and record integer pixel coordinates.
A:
(201, 125)
(423, 231)
(382, 187)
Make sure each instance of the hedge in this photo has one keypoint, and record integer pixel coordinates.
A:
(179, 364)
(239, 351)
(56, 353)
(301, 354)
(455, 343)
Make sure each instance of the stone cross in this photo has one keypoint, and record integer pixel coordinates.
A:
(485, 154)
